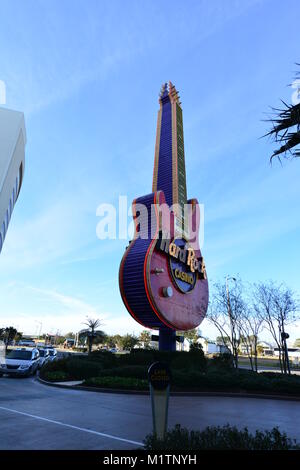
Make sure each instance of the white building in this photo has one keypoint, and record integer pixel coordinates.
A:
(12, 163)
(208, 346)
(267, 348)
(211, 347)
(294, 353)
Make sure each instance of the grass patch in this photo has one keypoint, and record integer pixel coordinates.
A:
(57, 376)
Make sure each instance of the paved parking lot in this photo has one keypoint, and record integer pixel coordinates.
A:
(36, 416)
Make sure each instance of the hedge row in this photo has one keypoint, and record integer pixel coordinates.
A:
(132, 365)
(125, 383)
(189, 372)
(220, 438)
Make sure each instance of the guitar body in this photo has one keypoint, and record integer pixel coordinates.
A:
(153, 295)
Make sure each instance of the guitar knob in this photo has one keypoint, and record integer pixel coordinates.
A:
(167, 291)
(159, 270)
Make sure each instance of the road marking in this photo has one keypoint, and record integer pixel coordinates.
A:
(109, 436)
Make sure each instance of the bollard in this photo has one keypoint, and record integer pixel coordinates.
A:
(159, 381)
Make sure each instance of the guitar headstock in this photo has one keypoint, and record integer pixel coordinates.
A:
(168, 90)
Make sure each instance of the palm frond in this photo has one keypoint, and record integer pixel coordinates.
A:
(291, 140)
(284, 120)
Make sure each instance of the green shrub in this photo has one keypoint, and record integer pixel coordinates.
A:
(135, 372)
(56, 376)
(138, 357)
(117, 382)
(83, 369)
(175, 359)
(211, 380)
(193, 360)
(220, 438)
(222, 361)
(54, 366)
(76, 368)
(188, 371)
(272, 375)
(106, 358)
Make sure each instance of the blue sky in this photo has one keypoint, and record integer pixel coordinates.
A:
(87, 75)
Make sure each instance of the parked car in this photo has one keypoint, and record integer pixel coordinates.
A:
(27, 343)
(69, 343)
(52, 354)
(44, 356)
(20, 361)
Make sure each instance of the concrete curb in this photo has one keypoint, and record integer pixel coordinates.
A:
(173, 394)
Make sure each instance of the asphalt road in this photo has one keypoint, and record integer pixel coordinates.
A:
(36, 416)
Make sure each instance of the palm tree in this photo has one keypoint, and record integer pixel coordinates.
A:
(145, 338)
(91, 332)
(286, 129)
(8, 334)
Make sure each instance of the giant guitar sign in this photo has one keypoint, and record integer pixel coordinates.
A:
(162, 276)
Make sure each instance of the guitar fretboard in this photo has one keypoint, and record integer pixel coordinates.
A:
(169, 165)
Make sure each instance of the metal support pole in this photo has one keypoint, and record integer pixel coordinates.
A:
(167, 339)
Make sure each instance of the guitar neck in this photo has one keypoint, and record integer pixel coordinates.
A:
(169, 167)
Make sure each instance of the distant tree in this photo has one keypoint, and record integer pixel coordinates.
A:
(196, 347)
(110, 341)
(297, 343)
(277, 307)
(70, 335)
(145, 338)
(18, 336)
(222, 341)
(100, 338)
(286, 128)
(92, 331)
(128, 342)
(251, 325)
(226, 308)
(8, 334)
(60, 339)
(191, 335)
(114, 341)
(260, 349)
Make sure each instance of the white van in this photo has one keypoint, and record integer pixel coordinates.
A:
(20, 361)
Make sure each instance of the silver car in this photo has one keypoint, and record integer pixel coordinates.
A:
(20, 361)
(44, 356)
(52, 354)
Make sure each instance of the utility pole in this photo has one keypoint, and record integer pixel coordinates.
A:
(40, 330)
(284, 337)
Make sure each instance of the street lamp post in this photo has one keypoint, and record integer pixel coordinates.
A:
(40, 330)
(284, 337)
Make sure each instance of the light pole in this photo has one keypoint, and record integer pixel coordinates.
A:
(40, 330)
(284, 337)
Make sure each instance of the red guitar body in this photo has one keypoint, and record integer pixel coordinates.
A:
(146, 271)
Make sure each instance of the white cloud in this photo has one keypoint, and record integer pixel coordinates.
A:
(44, 237)
(69, 312)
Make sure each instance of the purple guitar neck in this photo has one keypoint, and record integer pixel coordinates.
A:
(169, 165)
